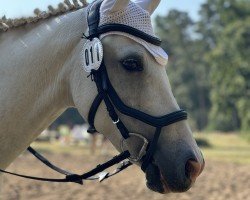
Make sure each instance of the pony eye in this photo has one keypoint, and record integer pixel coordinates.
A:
(132, 64)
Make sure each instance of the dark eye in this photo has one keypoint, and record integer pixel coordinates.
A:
(132, 64)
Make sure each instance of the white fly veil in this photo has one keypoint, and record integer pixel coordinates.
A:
(137, 15)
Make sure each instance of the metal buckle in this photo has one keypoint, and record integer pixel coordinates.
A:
(117, 121)
(142, 151)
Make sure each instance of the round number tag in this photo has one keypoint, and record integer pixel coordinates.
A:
(92, 54)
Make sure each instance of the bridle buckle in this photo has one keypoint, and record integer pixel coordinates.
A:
(116, 121)
(129, 144)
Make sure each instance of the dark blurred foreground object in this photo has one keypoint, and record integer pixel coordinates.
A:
(70, 117)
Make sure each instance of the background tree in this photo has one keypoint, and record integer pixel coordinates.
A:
(230, 78)
(186, 70)
(224, 26)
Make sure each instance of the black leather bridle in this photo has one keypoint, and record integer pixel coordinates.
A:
(108, 95)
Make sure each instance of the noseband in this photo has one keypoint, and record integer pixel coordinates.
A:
(106, 93)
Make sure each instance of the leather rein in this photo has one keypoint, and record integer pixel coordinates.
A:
(113, 102)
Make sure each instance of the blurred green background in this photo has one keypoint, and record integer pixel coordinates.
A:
(209, 65)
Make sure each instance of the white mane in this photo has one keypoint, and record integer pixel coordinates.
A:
(67, 6)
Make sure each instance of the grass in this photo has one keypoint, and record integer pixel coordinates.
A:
(246, 136)
(226, 147)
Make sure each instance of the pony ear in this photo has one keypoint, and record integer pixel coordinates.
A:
(148, 5)
(113, 5)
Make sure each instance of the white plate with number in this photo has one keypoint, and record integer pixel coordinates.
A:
(92, 54)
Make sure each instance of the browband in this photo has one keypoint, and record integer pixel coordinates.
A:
(130, 30)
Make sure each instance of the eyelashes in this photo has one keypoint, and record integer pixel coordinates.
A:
(132, 64)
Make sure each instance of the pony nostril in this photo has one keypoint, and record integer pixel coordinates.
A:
(193, 169)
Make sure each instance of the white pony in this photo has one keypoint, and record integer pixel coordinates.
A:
(41, 75)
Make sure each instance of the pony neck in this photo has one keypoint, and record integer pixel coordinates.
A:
(36, 66)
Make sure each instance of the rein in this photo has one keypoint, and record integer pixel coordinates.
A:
(76, 178)
(113, 102)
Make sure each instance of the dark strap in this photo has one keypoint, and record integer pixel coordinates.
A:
(115, 160)
(112, 101)
(94, 16)
(102, 90)
(127, 29)
(47, 162)
(137, 114)
(75, 178)
(39, 178)
(151, 150)
(92, 112)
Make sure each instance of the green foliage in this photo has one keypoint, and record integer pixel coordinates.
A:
(230, 67)
(217, 14)
(245, 136)
(230, 74)
(210, 69)
(186, 69)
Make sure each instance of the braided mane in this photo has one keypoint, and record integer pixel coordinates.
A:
(66, 6)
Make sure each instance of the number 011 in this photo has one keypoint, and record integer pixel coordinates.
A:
(89, 55)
